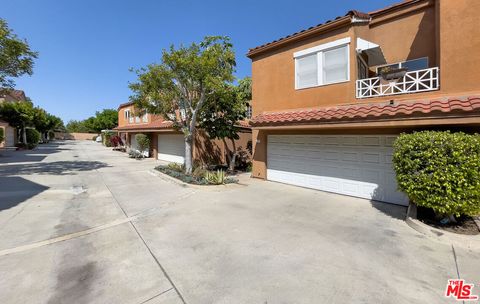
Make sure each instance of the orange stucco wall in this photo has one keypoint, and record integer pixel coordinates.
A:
(123, 122)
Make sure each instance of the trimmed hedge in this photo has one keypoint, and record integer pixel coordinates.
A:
(440, 170)
(33, 138)
(2, 135)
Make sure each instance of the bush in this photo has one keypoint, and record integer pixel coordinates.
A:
(440, 170)
(33, 138)
(143, 142)
(116, 141)
(175, 167)
(215, 177)
(94, 138)
(2, 135)
(106, 138)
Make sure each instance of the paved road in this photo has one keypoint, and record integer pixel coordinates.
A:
(80, 223)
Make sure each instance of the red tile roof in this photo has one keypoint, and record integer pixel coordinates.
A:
(125, 104)
(349, 15)
(443, 106)
(244, 123)
(154, 125)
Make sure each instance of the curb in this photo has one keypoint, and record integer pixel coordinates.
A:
(461, 240)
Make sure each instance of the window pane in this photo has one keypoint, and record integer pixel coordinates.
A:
(307, 74)
(415, 64)
(335, 65)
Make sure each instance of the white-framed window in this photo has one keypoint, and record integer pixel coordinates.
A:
(249, 111)
(128, 115)
(145, 117)
(324, 64)
(410, 65)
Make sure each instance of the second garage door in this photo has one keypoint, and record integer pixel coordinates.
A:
(171, 147)
(356, 165)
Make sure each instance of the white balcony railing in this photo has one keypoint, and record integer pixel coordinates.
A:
(411, 82)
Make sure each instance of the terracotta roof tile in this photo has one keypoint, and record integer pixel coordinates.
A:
(370, 111)
(154, 125)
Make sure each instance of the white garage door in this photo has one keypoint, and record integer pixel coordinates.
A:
(171, 147)
(9, 137)
(356, 165)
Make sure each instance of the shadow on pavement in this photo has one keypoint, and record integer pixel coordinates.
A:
(396, 211)
(15, 190)
(52, 168)
(35, 155)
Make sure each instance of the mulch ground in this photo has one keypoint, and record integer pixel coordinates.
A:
(464, 225)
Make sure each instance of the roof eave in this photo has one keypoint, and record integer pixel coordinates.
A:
(338, 23)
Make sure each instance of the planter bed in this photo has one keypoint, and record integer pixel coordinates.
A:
(464, 225)
(189, 179)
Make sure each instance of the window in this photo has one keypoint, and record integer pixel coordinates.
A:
(362, 68)
(145, 117)
(248, 113)
(324, 64)
(410, 65)
(127, 114)
(335, 65)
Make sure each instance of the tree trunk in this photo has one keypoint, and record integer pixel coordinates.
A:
(231, 167)
(189, 143)
(24, 130)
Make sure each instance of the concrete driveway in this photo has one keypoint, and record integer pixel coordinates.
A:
(80, 223)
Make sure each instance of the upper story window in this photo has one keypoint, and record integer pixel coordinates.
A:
(128, 115)
(145, 117)
(248, 113)
(324, 64)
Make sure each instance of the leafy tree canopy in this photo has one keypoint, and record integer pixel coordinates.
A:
(16, 57)
(184, 83)
(106, 119)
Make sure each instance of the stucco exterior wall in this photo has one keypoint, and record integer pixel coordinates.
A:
(122, 121)
(447, 32)
(459, 45)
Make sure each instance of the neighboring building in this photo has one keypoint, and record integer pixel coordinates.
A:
(329, 101)
(9, 131)
(168, 144)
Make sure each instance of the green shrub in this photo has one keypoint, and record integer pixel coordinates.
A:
(2, 135)
(143, 142)
(33, 138)
(199, 172)
(106, 135)
(175, 167)
(94, 138)
(215, 177)
(440, 170)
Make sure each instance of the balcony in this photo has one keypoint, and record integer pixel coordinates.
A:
(411, 82)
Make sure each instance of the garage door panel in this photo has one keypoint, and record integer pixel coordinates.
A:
(356, 165)
(171, 148)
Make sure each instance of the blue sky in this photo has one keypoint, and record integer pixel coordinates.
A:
(87, 46)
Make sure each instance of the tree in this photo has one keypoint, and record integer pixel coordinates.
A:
(143, 143)
(180, 87)
(19, 115)
(76, 126)
(107, 119)
(45, 122)
(16, 57)
(221, 118)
